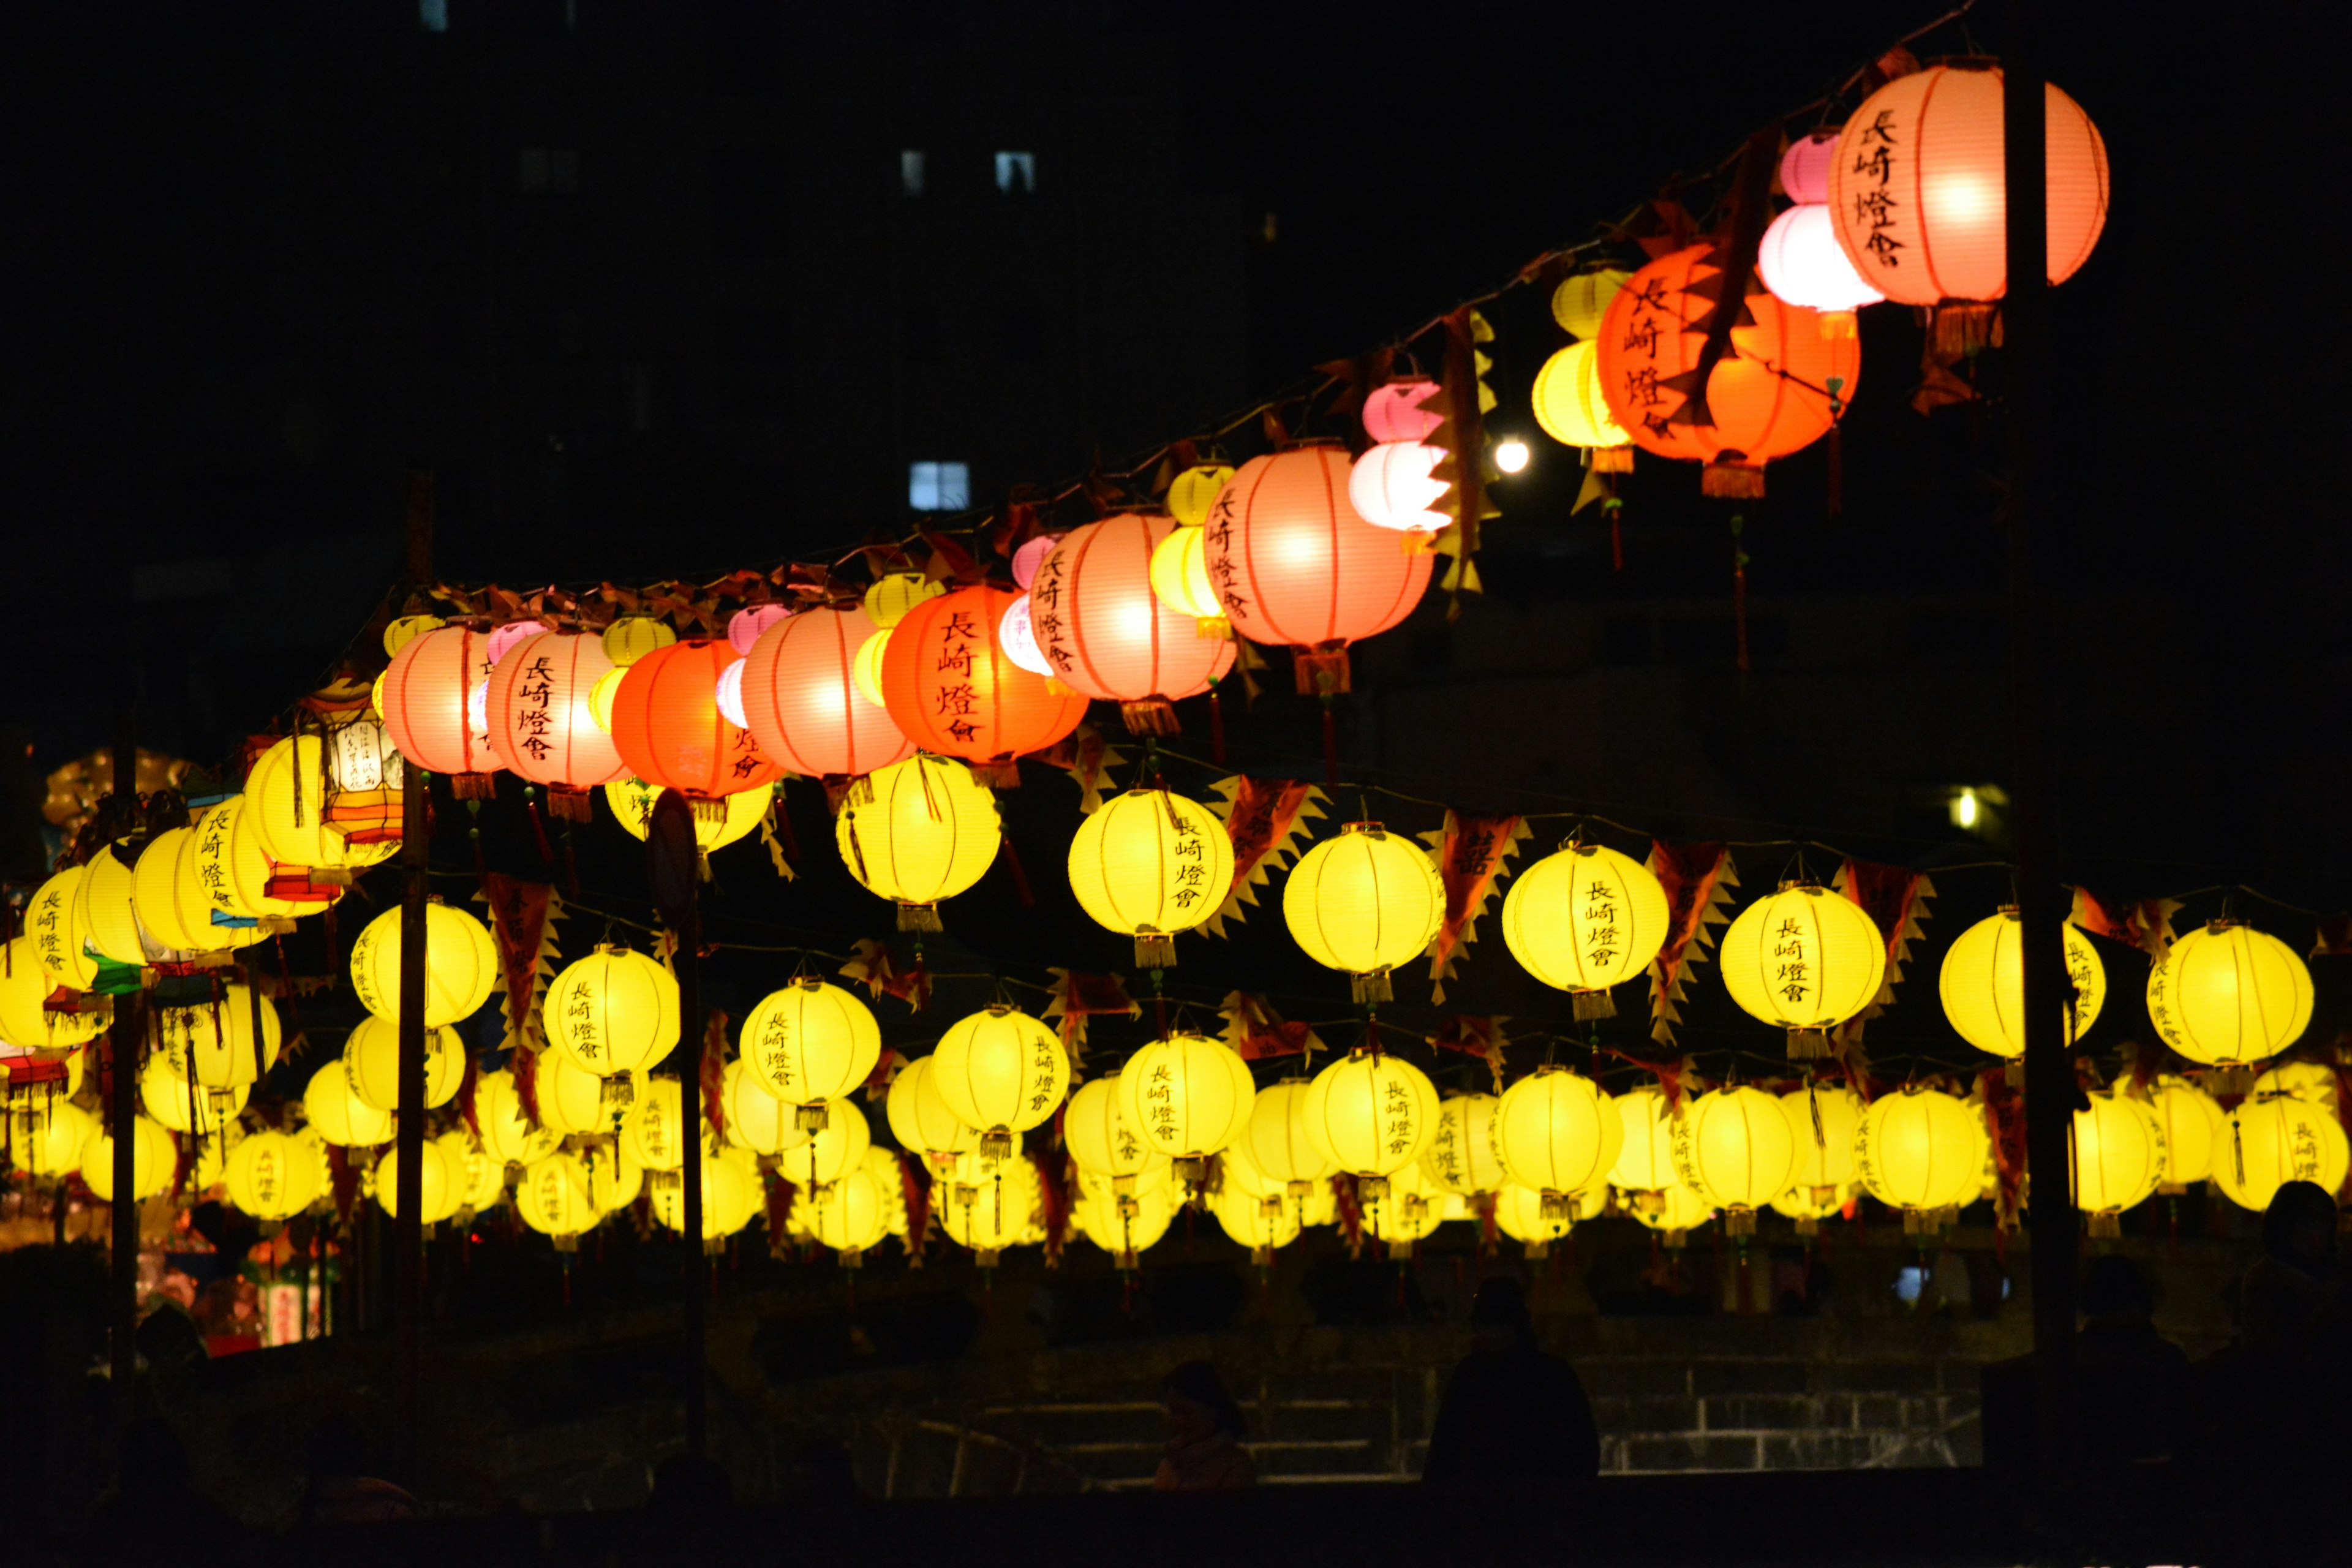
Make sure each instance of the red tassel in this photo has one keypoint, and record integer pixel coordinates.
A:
(1330, 746)
(539, 830)
(1616, 536)
(1739, 612)
(782, 815)
(1216, 729)
(1020, 877)
(1836, 492)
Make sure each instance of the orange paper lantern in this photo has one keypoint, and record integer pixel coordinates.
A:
(1109, 636)
(538, 709)
(425, 697)
(953, 688)
(803, 706)
(670, 732)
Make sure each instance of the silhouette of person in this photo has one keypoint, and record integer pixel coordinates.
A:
(1205, 1428)
(153, 1489)
(1512, 1413)
(2292, 1290)
(2133, 1379)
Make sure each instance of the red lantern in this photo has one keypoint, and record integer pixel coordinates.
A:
(953, 689)
(427, 710)
(1294, 563)
(670, 732)
(801, 704)
(1108, 634)
(540, 722)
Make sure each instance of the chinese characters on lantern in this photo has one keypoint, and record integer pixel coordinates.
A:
(1792, 976)
(1876, 205)
(958, 701)
(1599, 924)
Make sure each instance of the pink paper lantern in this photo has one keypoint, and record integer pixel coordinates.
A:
(1025, 559)
(1394, 411)
(1805, 167)
(504, 638)
(802, 706)
(1803, 263)
(744, 626)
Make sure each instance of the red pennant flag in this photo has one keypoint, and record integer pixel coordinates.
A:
(1471, 852)
(1895, 900)
(1474, 1036)
(1263, 819)
(1256, 1031)
(1697, 878)
(2146, 925)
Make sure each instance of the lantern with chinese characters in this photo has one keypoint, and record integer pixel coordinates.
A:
(168, 1096)
(1370, 1115)
(1566, 401)
(2228, 995)
(1149, 864)
(154, 1157)
(1983, 984)
(1464, 1157)
(952, 689)
(1580, 300)
(371, 1060)
(1188, 1095)
(717, 823)
(1823, 1121)
(1193, 491)
(1734, 1147)
(1277, 1142)
(340, 1117)
(803, 704)
(461, 964)
(426, 699)
(756, 1120)
(230, 1040)
(287, 795)
(1557, 1133)
(1583, 920)
(921, 1120)
(670, 732)
(1108, 635)
(2267, 1143)
(613, 1011)
(1920, 1150)
(1179, 579)
(541, 725)
(573, 1101)
(2116, 1156)
(1102, 1140)
(654, 1131)
(271, 1175)
(920, 831)
(1919, 192)
(2192, 1123)
(1001, 1072)
(1364, 902)
(809, 1044)
(849, 1214)
(1294, 563)
(25, 1018)
(988, 1206)
(553, 1197)
(1805, 959)
(54, 939)
(48, 1143)
(175, 898)
(365, 775)
(1645, 1149)
(238, 877)
(484, 1175)
(508, 1133)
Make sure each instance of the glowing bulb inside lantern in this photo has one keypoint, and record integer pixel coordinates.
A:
(477, 707)
(1964, 809)
(866, 669)
(1511, 456)
(730, 694)
(1019, 639)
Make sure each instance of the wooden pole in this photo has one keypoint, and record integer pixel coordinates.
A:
(408, 1197)
(122, 1052)
(698, 1334)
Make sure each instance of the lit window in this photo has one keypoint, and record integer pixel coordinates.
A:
(910, 171)
(434, 15)
(938, 486)
(542, 170)
(1017, 174)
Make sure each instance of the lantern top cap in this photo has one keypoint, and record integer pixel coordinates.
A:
(612, 947)
(1805, 885)
(807, 982)
(1370, 829)
(2220, 923)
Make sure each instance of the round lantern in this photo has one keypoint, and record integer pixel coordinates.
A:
(1124, 1225)
(1734, 1148)
(404, 629)
(1463, 1156)
(896, 593)
(1179, 579)
(839, 1146)
(670, 732)
(286, 795)
(1646, 1150)
(372, 1057)
(440, 1188)
(801, 702)
(952, 688)
(167, 1095)
(921, 1121)
(54, 940)
(175, 901)
(615, 1181)
(848, 1215)
(1526, 1216)
(1397, 411)
(1370, 1116)
(510, 1135)
(1802, 263)
(1393, 486)
(654, 1131)
(1263, 1225)
(631, 637)
(1920, 1149)
(2228, 995)
(1364, 901)
(757, 1119)
(238, 874)
(989, 1208)
(1001, 1072)
(1400, 1219)
(25, 1017)
(1294, 561)
(2193, 1125)
(106, 908)
(2314, 1081)
(1103, 1142)
(154, 1159)
(2115, 1154)
(233, 1038)
(553, 1197)
(481, 1180)
(1919, 193)
(1805, 959)
(1188, 1095)
(271, 1175)
(1983, 984)
(1583, 920)
(1579, 301)
(1674, 1209)
(717, 823)
(1567, 400)
(2265, 1144)
(1193, 491)
(1557, 1133)
(49, 1144)
(340, 1117)
(612, 1010)
(1106, 635)
(461, 964)
(728, 1199)
(573, 1101)
(920, 831)
(1277, 1142)
(1823, 1121)
(811, 1043)
(1149, 864)
(426, 700)
(541, 725)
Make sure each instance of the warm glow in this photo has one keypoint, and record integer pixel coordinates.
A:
(1277, 1142)
(654, 1131)
(338, 1116)
(926, 834)
(1803, 958)
(811, 1042)
(1103, 629)
(2116, 1154)
(282, 796)
(803, 701)
(1188, 1095)
(1823, 1121)
(1585, 919)
(1558, 1131)
(670, 732)
(717, 823)
(1390, 486)
(509, 1134)
(2228, 994)
(1579, 301)
(1463, 1156)
(1000, 1071)
(1180, 575)
(553, 1197)
(1364, 901)
(952, 687)
(1511, 454)
(1645, 1154)
(866, 669)
(896, 593)
(1193, 491)
(439, 1187)
(848, 1213)
(920, 1120)
(271, 1175)
(1983, 984)
(613, 1011)
(1921, 1148)
(542, 712)
(2266, 1143)
(426, 697)
(1020, 640)
(1568, 404)
(1369, 1115)
(1802, 262)
(1295, 563)
(1150, 863)
(461, 964)
(371, 1063)
(233, 1039)
(25, 988)
(1736, 1149)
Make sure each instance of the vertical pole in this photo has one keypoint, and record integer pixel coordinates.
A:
(408, 1199)
(2050, 1089)
(122, 1052)
(690, 1011)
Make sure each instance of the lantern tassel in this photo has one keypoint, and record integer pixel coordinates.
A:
(473, 786)
(1152, 716)
(918, 917)
(1155, 950)
(1591, 1004)
(1808, 1045)
(1020, 876)
(537, 829)
(1371, 987)
(568, 805)
(1216, 729)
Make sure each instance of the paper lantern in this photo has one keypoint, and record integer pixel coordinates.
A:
(921, 1121)
(1106, 635)
(1583, 920)
(1179, 578)
(1645, 1149)
(25, 1017)
(1277, 1141)
(922, 831)
(507, 1132)
(803, 705)
(1398, 1220)
(234, 1038)
(756, 1120)
(401, 631)
(631, 637)
(1393, 486)
(1001, 1072)
(1920, 1149)
(833, 1150)
(951, 688)
(270, 1175)
(615, 1181)
(1149, 864)
(553, 1197)
(174, 902)
(48, 1143)
(1124, 1225)
(848, 1215)
(1463, 1155)
(1557, 1133)
(2265, 1144)
(372, 1057)
(56, 941)
(461, 964)
(540, 724)
(1263, 1225)
(989, 1206)
(654, 1131)
(426, 700)
(2192, 1123)
(811, 1043)
(1020, 638)
(1364, 902)
(2314, 1081)
(154, 1158)
(1397, 410)
(241, 880)
(105, 907)
(1193, 491)
(439, 1187)
(286, 796)
(1580, 300)
(670, 732)
(893, 593)
(1811, 1205)
(728, 1199)
(1369, 1116)
(1983, 984)
(2116, 1156)
(613, 1011)
(717, 823)
(1566, 401)
(1805, 959)
(365, 775)
(2228, 995)
(1294, 563)
(481, 1180)
(1920, 197)
(1102, 1140)
(341, 1117)
(168, 1096)
(573, 1101)
(1802, 263)
(1823, 1121)
(1674, 1209)
(1734, 1147)
(1526, 1216)
(1189, 1096)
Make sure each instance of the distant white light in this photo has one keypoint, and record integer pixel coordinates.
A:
(1966, 809)
(1511, 456)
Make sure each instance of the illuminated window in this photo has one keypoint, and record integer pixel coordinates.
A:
(1017, 174)
(910, 171)
(434, 15)
(938, 486)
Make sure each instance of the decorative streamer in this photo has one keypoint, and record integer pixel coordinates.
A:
(1263, 817)
(1895, 898)
(1257, 1031)
(1471, 853)
(1698, 879)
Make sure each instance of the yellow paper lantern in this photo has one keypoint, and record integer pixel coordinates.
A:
(865, 667)
(1002, 1072)
(848, 1215)
(920, 1120)
(1103, 1142)
(50, 926)
(167, 1096)
(757, 1119)
(1734, 1148)
(481, 1178)
(286, 798)
(631, 637)
(1805, 959)
(1983, 984)
(210, 1165)
(1180, 579)
(1583, 919)
(1463, 1156)
(461, 964)
(989, 1206)
(1810, 1206)
(553, 1197)
(832, 1151)
(728, 1199)
(1823, 1121)
(2193, 1124)
(612, 1010)
(1149, 864)
(1263, 1225)
(1521, 1213)
(401, 632)
(1275, 1140)
(655, 1132)
(1645, 1152)
(234, 847)
(1188, 1095)
(809, 1044)
(2228, 995)
(270, 1175)
(105, 907)
(510, 1135)
(1920, 1149)
(1400, 1219)
(1674, 1208)
(49, 1143)
(1192, 493)
(1581, 300)
(235, 1039)
(26, 1019)
(154, 1161)
(576, 1102)
(2314, 1081)
(1370, 1116)
(1558, 1132)
(1364, 902)
(2270, 1142)
(439, 1187)
(340, 1117)
(614, 1180)
(717, 823)
(1568, 403)
(2117, 1157)
(372, 1058)
(918, 832)
(193, 893)
(890, 1181)
(1124, 1225)
(896, 593)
